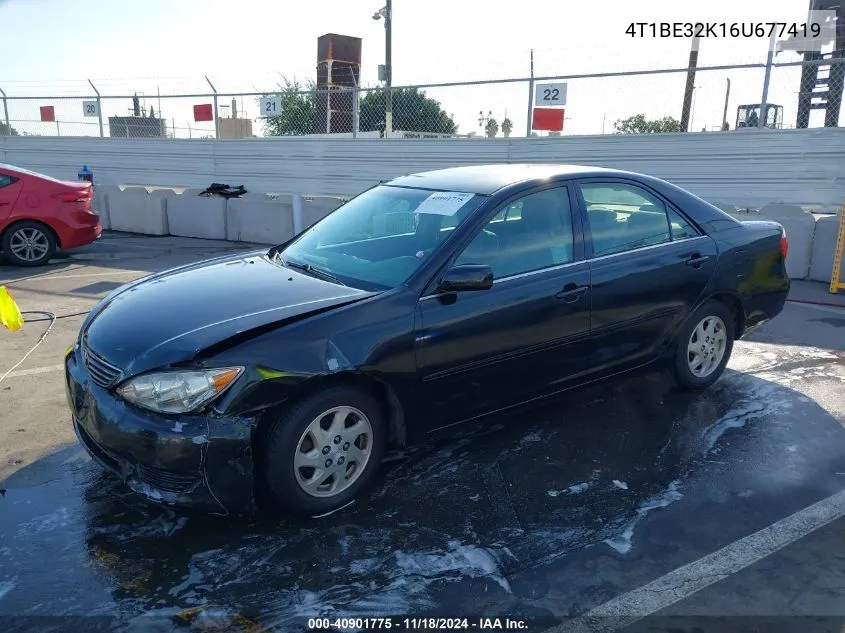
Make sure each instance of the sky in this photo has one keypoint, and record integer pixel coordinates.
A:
(168, 46)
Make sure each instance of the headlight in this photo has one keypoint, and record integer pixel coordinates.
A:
(178, 391)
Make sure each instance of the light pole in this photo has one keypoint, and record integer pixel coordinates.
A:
(386, 12)
(692, 109)
(483, 120)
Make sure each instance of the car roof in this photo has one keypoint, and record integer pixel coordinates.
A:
(487, 179)
(32, 174)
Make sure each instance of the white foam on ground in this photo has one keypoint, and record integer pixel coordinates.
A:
(575, 489)
(6, 586)
(45, 523)
(622, 542)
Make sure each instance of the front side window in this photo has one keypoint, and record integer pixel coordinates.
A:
(626, 217)
(532, 233)
(380, 238)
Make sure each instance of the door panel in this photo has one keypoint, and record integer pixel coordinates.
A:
(639, 297)
(649, 267)
(484, 350)
(480, 351)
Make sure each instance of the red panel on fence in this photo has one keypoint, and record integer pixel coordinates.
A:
(48, 113)
(550, 119)
(203, 112)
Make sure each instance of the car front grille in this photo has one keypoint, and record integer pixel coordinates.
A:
(102, 372)
(167, 481)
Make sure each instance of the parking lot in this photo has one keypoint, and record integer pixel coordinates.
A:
(622, 500)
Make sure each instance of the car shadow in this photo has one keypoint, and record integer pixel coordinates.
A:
(461, 514)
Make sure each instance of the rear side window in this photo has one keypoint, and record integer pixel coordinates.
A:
(681, 229)
(625, 217)
(5, 180)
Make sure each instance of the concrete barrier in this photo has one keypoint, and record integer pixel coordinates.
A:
(824, 247)
(800, 227)
(315, 209)
(134, 210)
(100, 203)
(192, 215)
(779, 210)
(262, 222)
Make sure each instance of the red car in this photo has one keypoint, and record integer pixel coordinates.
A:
(39, 214)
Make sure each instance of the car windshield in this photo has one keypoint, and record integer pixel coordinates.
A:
(379, 239)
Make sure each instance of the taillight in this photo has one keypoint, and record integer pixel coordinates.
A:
(73, 196)
(784, 244)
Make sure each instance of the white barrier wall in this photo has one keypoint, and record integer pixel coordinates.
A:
(824, 246)
(192, 215)
(262, 222)
(740, 167)
(135, 210)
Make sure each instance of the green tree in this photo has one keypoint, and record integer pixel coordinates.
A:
(413, 111)
(638, 124)
(7, 130)
(492, 128)
(299, 107)
(507, 127)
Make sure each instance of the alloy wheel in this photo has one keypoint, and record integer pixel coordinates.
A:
(29, 244)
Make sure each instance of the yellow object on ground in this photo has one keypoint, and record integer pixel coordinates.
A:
(10, 314)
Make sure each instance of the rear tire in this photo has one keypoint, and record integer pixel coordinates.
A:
(28, 243)
(324, 452)
(704, 346)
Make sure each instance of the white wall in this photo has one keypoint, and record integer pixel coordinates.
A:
(744, 168)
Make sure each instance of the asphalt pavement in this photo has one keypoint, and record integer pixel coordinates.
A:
(624, 506)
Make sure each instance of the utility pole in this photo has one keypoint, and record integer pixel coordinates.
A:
(725, 111)
(6, 113)
(693, 62)
(761, 122)
(388, 33)
(99, 107)
(530, 98)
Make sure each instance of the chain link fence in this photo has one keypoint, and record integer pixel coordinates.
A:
(724, 98)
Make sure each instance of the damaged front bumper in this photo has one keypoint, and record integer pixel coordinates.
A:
(200, 461)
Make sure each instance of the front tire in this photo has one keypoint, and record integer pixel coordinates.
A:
(28, 243)
(325, 451)
(704, 346)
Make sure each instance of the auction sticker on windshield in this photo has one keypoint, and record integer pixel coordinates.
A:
(444, 203)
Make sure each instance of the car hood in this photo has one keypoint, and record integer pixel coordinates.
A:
(170, 317)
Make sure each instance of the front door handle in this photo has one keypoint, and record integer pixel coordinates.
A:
(696, 259)
(571, 293)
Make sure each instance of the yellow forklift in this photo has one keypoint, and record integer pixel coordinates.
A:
(749, 116)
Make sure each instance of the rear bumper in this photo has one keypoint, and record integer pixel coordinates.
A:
(79, 236)
(763, 307)
(202, 462)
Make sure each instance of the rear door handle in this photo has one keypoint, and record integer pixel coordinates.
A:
(696, 259)
(571, 293)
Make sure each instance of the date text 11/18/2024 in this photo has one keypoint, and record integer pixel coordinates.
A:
(416, 624)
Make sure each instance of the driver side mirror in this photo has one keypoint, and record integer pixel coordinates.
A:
(466, 277)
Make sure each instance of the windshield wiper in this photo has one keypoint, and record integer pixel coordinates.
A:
(317, 272)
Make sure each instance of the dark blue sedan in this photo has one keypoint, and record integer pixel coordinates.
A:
(281, 376)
